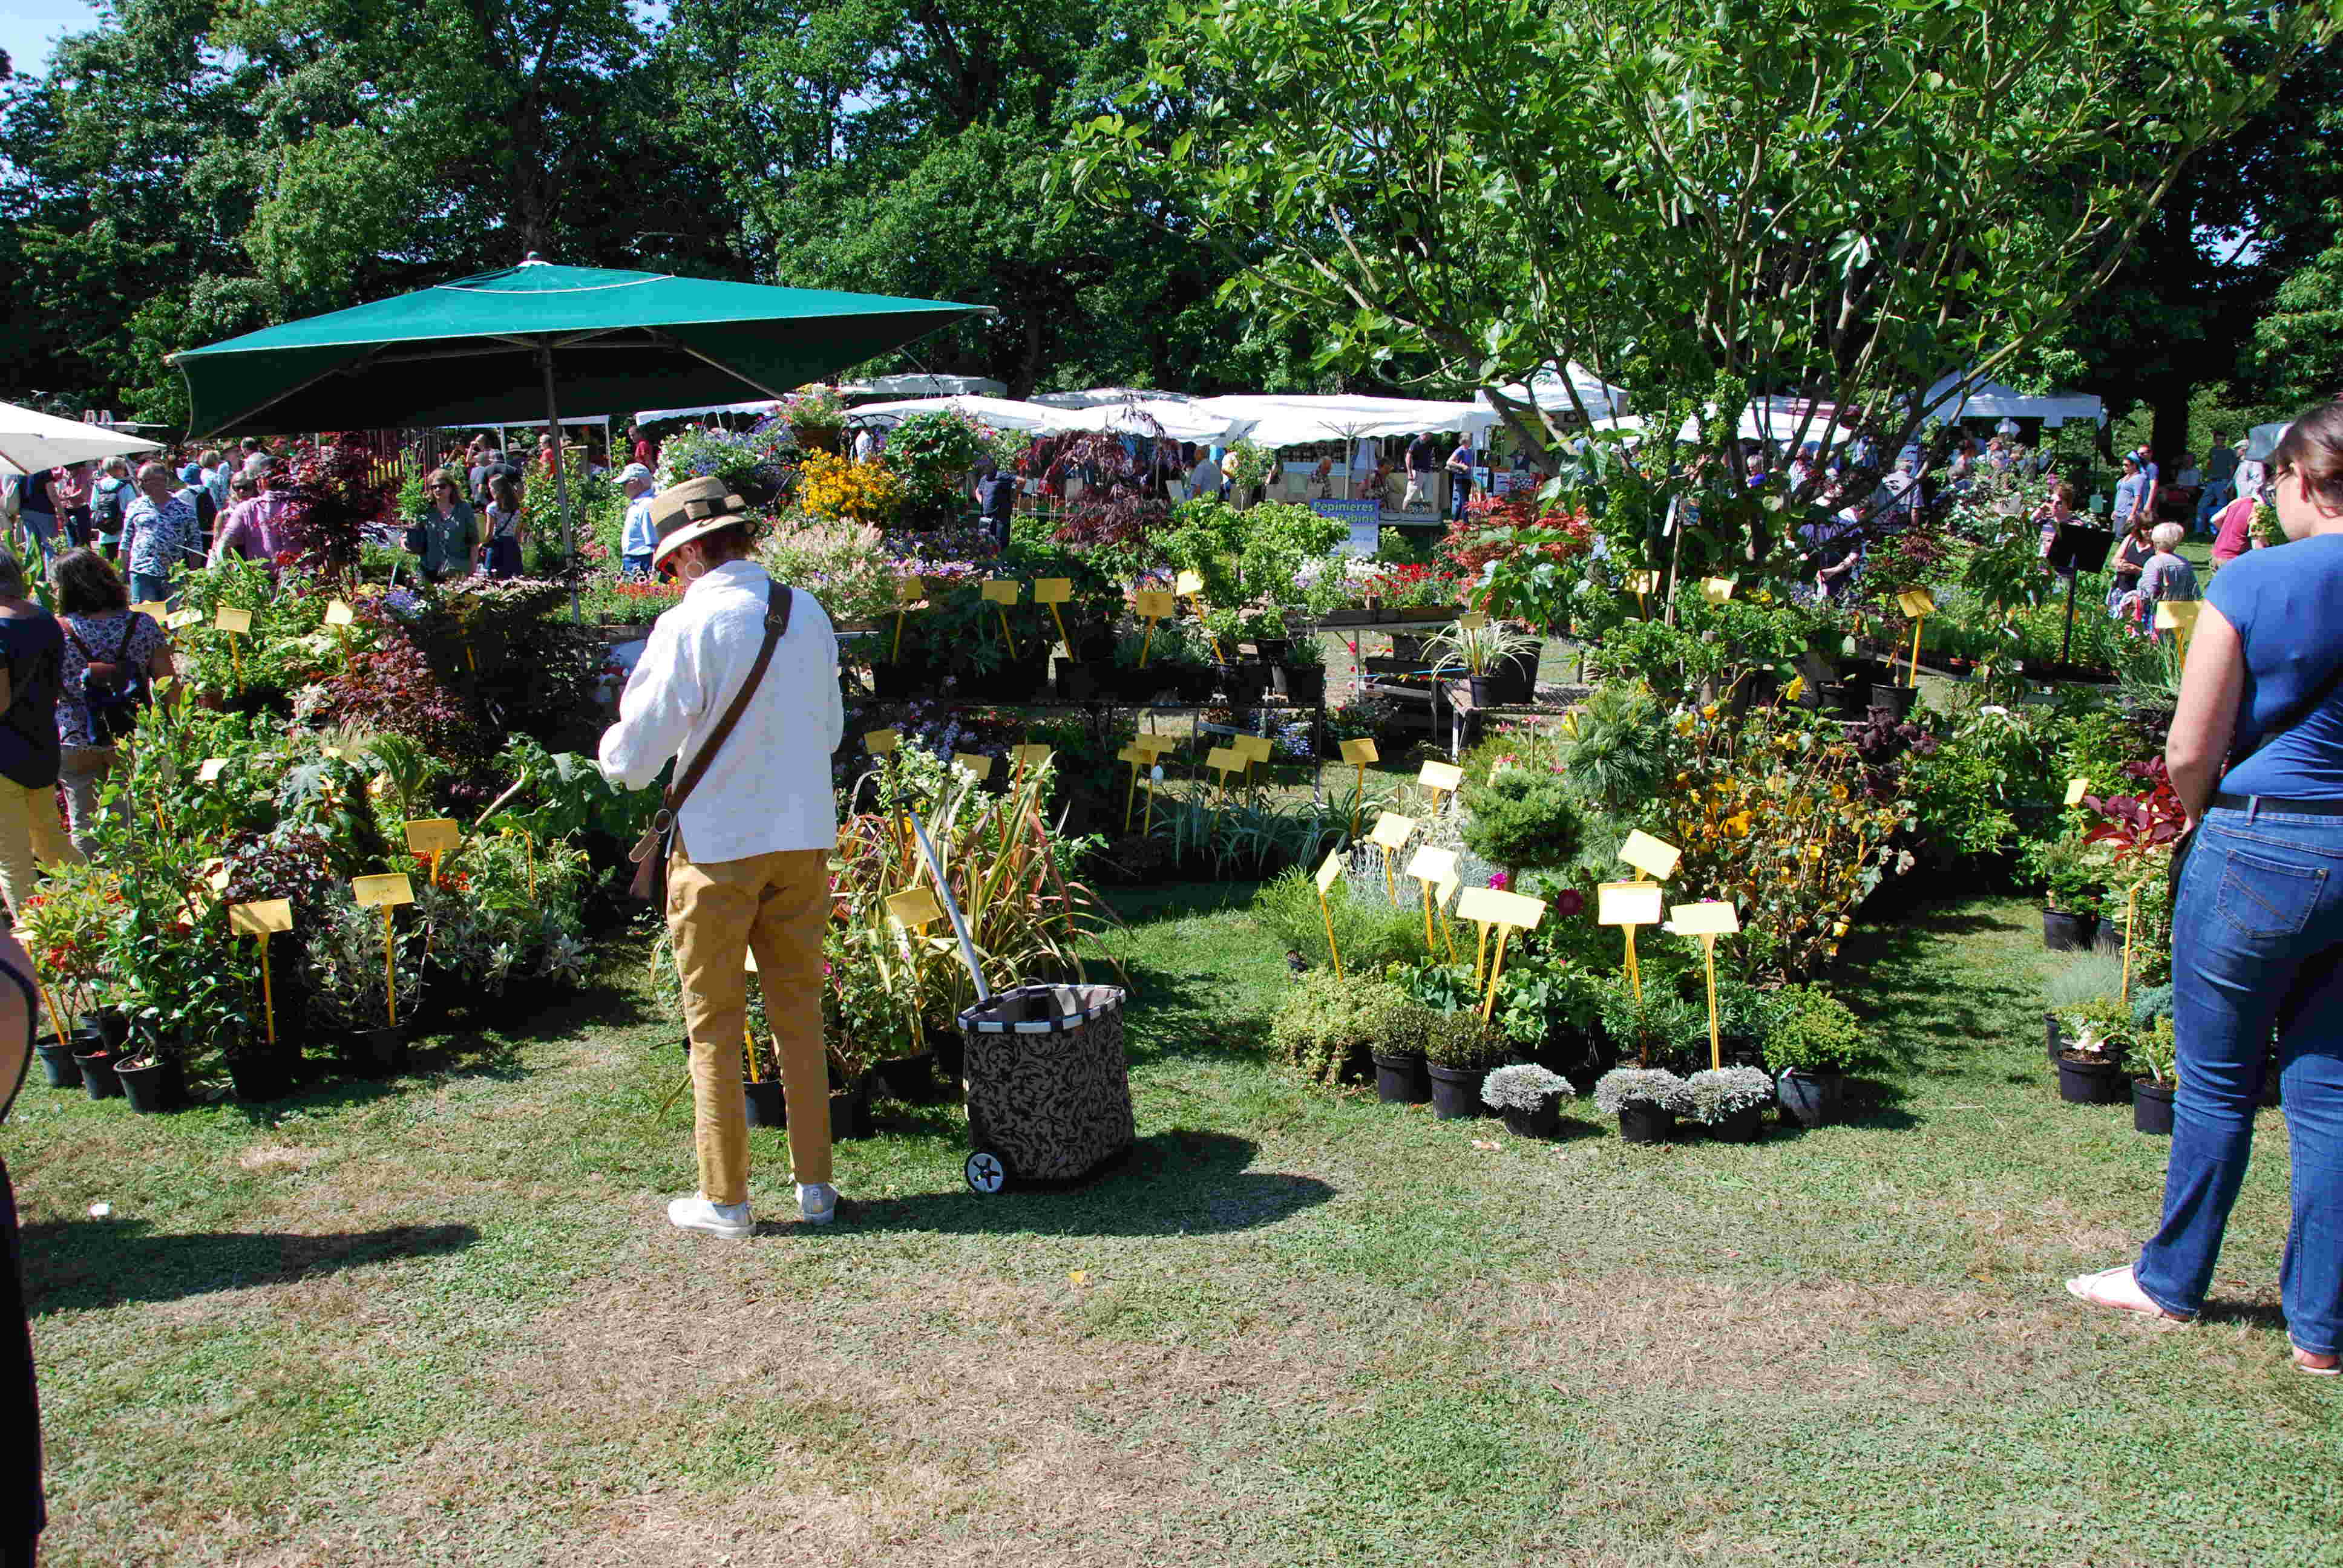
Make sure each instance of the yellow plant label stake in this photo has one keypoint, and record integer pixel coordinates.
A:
(1392, 833)
(262, 919)
(1439, 779)
(1653, 857)
(1139, 757)
(434, 837)
(1358, 754)
(1002, 592)
(387, 892)
(1629, 905)
(1708, 922)
(1328, 870)
(980, 766)
(1919, 604)
(1433, 869)
(1153, 605)
(1053, 592)
(1509, 912)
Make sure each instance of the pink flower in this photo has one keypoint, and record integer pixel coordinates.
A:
(1568, 903)
(1500, 881)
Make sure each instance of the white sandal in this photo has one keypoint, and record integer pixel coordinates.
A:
(2091, 1288)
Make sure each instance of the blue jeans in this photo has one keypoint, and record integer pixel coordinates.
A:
(2218, 494)
(150, 588)
(2259, 947)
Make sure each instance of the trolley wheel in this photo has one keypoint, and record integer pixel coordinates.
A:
(985, 1172)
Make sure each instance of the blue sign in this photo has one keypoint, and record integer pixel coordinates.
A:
(1366, 509)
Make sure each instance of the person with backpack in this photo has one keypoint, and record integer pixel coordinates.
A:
(199, 495)
(113, 657)
(32, 652)
(109, 499)
(160, 534)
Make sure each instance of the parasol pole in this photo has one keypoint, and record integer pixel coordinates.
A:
(560, 478)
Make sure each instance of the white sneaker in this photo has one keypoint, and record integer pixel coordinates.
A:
(817, 1203)
(730, 1221)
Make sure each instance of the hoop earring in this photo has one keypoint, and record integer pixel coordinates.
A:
(691, 571)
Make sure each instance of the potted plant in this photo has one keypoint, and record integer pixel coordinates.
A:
(65, 926)
(2151, 1097)
(2070, 874)
(1402, 1076)
(1522, 818)
(1458, 1050)
(1528, 1096)
(2085, 976)
(1301, 675)
(1647, 1101)
(1813, 1039)
(350, 979)
(2091, 1068)
(1499, 663)
(1731, 1101)
(1325, 1025)
(816, 416)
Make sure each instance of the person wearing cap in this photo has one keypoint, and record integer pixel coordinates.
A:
(199, 495)
(638, 539)
(748, 855)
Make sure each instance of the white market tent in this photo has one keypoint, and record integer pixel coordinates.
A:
(647, 415)
(1155, 417)
(926, 386)
(33, 442)
(1299, 421)
(1545, 391)
(1099, 397)
(1992, 400)
(1001, 413)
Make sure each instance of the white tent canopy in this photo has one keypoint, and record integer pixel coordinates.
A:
(926, 386)
(1545, 390)
(1992, 400)
(1152, 417)
(648, 416)
(1097, 397)
(1299, 421)
(33, 442)
(999, 413)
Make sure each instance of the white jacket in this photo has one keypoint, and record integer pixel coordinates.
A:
(769, 786)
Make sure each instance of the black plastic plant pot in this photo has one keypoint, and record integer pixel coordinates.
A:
(2151, 1107)
(849, 1111)
(766, 1107)
(1303, 685)
(1898, 700)
(1541, 1121)
(1244, 683)
(375, 1052)
(98, 1074)
(1271, 650)
(2053, 1038)
(1487, 690)
(1744, 1126)
(1401, 1079)
(1516, 674)
(892, 682)
(1081, 679)
(260, 1076)
(1809, 1099)
(57, 1063)
(152, 1088)
(2091, 1083)
(910, 1079)
(1646, 1124)
(1455, 1091)
(2065, 931)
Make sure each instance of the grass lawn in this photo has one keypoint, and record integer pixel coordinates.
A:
(444, 1320)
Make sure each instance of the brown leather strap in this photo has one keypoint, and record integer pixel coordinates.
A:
(778, 601)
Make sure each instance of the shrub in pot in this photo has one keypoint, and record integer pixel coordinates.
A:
(2091, 1070)
(1326, 1024)
(1458, 1050)
(349, 993)
(2082, 979)
(1730, 1102)
(1647, 1101)
(1522, 819)
(1528, 1096)
(1301, 674)
(1813, 1041)
(2071, 876)
(1498, 662)
(2151, 1097)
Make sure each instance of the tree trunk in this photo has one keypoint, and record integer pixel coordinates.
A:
(2168, 435)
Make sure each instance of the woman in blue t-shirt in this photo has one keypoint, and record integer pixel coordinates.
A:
(2257, 928)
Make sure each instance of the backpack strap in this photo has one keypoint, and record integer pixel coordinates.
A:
(778, 602)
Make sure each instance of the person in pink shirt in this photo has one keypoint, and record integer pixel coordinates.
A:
(2233, 531)
(255, 529)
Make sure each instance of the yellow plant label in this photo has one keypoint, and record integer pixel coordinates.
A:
(339, 613)
(1916, 602)
(913, 907)
(1255, 748)
(1628, 904)
(1224, 759)
(1156, 745)
(1653, 857)
(237, 622)
(1500, 908)
(208, 770)
(1437, 867)
(1053, 591)
(373, 892)
(1716, 590)
(433, 836)
(879, 742)
(1154, 604)
(1472, 620)
(1439, 776)
(909, 590)
(982, 767)
(1188, 583)
(1136, 756)
(266, 915)
(2177, 615)
(1711, 918)
(179, 620)
(1001, 590)
(1330, 870)
(1359, 753)
(1029, 756)
(1643, 582)
(1393, 830)
(2075, 790)
(152, 609)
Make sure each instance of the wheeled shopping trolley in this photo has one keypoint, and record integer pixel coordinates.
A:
(1049, 1090)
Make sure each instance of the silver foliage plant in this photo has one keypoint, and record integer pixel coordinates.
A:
(1524, 1086)
(1623, 1087)
(1717, 1093)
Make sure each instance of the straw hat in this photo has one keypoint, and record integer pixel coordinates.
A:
(683, 512)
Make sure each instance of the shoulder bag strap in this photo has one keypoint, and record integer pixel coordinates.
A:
(778, 601)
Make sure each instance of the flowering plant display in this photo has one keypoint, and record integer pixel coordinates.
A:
(837, 490)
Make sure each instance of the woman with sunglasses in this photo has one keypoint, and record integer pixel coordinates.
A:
(444, 533)
(2256, 755)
